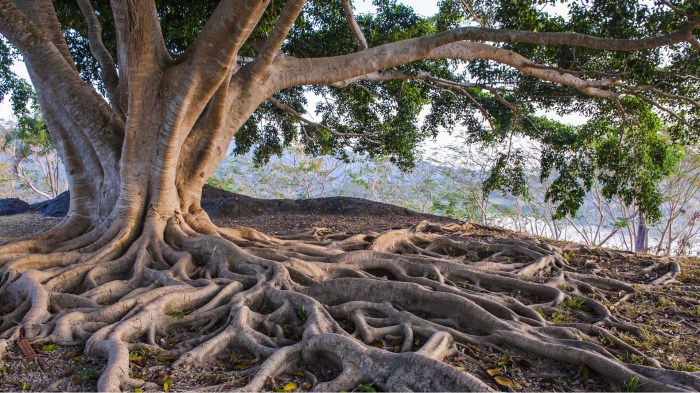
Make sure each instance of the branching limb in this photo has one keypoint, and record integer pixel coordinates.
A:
(354, 26)
(274, 42)
(104, 58)
(304, 120)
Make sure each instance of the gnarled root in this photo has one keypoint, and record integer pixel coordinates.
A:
(197, 293)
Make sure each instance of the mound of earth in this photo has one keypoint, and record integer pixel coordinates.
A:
(223, 204)
(56, 207)
(10, 206)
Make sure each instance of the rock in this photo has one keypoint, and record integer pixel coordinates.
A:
(57, 207)
(221, 203)
(10, 206)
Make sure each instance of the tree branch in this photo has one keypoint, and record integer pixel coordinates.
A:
(51, 74)
(43, 15)
(331, 70)
(274, 42)
(469, 8)
(352, 22)
(140, 43)
(100, 52)
(214, 52)
(312, 123)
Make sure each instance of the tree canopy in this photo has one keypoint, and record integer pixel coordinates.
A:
(638, 104)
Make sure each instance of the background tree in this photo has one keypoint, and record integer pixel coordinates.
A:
(33, 157)
(182, 79)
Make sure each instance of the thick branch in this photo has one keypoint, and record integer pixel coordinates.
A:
(43, 16)
(50, 70)
(140, 42)
(104, 58)
(330, 70)
(274, 42)
(214, 52)
(352, 22)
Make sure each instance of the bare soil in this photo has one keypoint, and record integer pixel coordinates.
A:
(669, 317)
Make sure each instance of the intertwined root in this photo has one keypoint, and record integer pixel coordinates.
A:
(319, 300)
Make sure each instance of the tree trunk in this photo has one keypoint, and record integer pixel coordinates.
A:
(642, 240)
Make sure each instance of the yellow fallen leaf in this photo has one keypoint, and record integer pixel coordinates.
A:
(504, 381)
(138, 390)
(494, 371)
(460, 368)
(290, 387)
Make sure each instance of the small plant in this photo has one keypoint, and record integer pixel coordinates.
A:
(574, 303)
(676, 365)
(365, 388)
(560, 316)
(88, 373)
(695, 312)
(49, 347)
(568, 255)
(607, 341)
(567, 287)
(177, 314)
(301, 313)
(632, 385)
(631, 358)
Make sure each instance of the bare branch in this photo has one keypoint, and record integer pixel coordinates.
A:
(43, 15)
(663, 109)
(140, 43)
(694, 42)
(352, 22)
(346, 67)
(333, 69)
(472, 13)
(304, 120)
(98, 49)
(208, 61)
(274, 41)
(662, 93)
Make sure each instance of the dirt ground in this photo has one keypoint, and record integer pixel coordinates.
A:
(669, 317)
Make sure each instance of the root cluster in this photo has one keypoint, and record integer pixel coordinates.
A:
(317, 301)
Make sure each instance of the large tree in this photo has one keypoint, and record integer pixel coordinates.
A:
(142, 99)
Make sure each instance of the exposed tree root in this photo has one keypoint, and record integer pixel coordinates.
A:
(317, 299)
